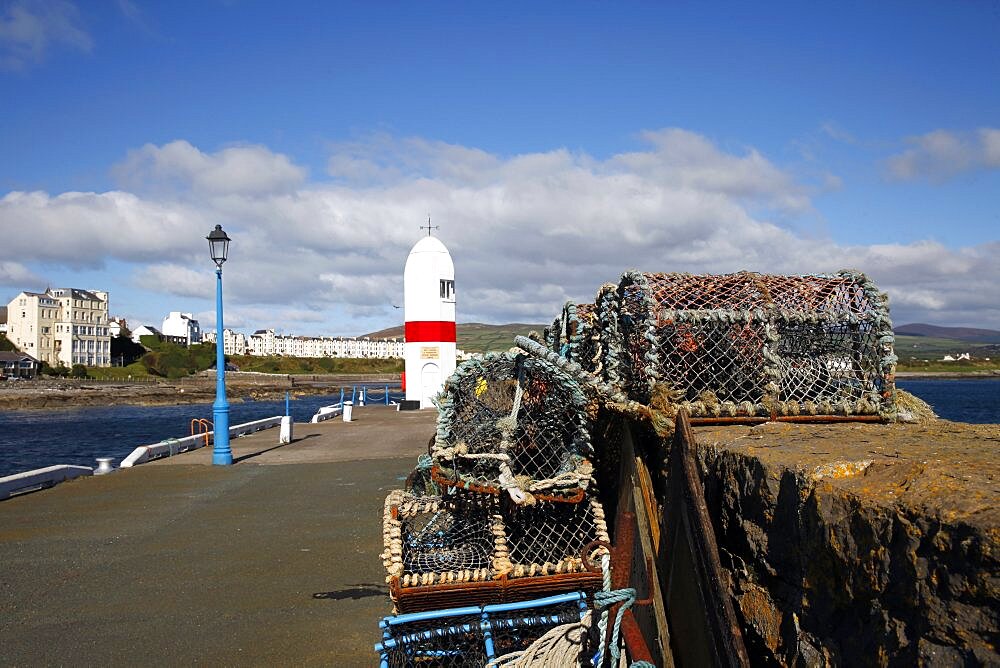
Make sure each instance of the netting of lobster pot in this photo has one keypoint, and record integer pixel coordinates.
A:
(433, 540)
(751, 344)
(516, 422)
(471, 548)
(551, 538)
(475, 635)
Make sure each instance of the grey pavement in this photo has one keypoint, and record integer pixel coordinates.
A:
(273, 561)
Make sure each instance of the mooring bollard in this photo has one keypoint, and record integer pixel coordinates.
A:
(348, 409)
(104, 465)
(285, 436)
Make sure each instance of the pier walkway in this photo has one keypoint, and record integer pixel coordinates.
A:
(272, 561)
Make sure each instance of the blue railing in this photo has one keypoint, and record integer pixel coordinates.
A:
(361, 395)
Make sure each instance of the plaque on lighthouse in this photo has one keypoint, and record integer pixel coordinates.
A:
(429, 312)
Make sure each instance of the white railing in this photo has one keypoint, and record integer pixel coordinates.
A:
(32, 481)
(174, 446)
(327, 412)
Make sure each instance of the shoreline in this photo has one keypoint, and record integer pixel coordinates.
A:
(947, 375)
(58, 394)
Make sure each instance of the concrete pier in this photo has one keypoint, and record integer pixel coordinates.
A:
(850, 544)
(273, 561)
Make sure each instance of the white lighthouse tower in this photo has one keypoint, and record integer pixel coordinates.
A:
(429, 310)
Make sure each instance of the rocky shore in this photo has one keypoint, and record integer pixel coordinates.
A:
(65, 393)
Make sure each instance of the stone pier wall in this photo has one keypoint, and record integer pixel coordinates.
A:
(857, 544)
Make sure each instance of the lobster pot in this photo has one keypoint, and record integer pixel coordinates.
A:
(516, 422)
(751, 344)
(579, 338)
(609, 353)
(554, 538)
(434, 541)
(446, 552)
(474, 635)
(553, 335)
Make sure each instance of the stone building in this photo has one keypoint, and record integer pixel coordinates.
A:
(61, 326)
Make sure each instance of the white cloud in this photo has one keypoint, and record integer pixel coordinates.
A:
(86, 229)
(526, 232)
(942, 154)
(17, 275)
(242, 170)
(29, 29)
(177, 280)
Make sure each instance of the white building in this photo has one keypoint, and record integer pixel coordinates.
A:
(233, 343)
(115, 327)
(182, 325)
(61, 326)
(145, 330)
(265, 343)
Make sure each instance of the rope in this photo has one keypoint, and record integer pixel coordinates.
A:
(602, 624)
(603, 599)
(561, 646)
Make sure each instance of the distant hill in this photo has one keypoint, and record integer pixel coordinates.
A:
(966, 334)
(476, 337)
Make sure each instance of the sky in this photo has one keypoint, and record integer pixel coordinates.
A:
(555, 144)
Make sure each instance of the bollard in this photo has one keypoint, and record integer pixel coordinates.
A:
(361, 396)
(348, 409)
(104, 465)
(286, 430)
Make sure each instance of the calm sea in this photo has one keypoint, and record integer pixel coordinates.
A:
(975, 400)
(33, 439)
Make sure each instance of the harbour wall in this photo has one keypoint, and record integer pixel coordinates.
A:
(858, 544)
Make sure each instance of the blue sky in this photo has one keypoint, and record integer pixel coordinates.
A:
(557, 145)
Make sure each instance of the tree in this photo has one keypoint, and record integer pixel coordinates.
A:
(79, 371)
(125, 349)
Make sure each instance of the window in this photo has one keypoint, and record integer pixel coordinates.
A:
(447, 289)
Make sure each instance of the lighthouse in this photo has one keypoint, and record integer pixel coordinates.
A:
(429, 311)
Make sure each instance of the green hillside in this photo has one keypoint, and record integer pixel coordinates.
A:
(476, 337)
(930, 347)
(968, 334)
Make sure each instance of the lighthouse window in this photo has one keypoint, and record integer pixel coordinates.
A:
(447, 289)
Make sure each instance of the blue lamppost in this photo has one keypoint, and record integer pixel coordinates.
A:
(222, 455)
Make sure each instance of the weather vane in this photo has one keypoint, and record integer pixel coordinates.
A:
(428, 226)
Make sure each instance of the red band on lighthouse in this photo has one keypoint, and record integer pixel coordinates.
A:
(425, 331)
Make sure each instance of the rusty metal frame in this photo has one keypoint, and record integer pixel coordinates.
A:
(717, 638)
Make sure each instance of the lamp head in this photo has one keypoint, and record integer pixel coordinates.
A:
(218, 244)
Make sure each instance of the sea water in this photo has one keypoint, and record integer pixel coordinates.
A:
(975, 400)
(33, 439)
(37, 438)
